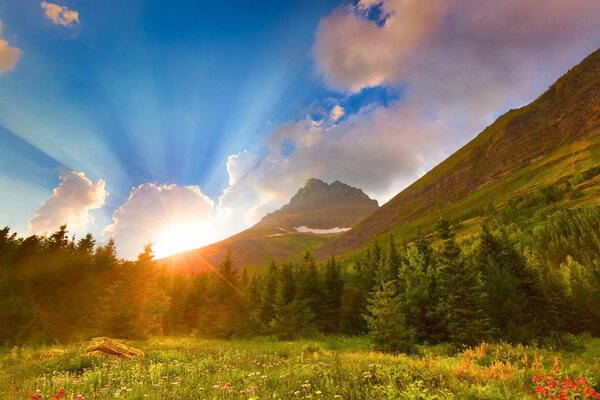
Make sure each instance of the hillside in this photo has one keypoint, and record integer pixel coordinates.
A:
(550, 140)
(316, 214)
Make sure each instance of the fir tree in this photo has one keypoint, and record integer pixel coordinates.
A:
(386, 322)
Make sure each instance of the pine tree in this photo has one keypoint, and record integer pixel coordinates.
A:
(386, 322)
(332, 297)
(512, 297)
(394, 262)
(415, 294)
(226, 270)
(269, 295)
(456, 315)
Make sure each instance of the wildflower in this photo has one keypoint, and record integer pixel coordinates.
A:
(536, 378)
(541, 390)
(226, 386)
(252, 389)
(216, 386)
(297, 393)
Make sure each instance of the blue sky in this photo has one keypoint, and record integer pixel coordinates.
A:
(131, 118)
(167, 89)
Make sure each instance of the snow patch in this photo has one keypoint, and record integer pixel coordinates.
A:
(305, 229)
(277, 234)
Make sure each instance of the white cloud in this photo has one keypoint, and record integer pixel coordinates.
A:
(238, 165)
(9, 56)
(379, 150)
(174, 218)
(69, 203)
(336, 113)
(60, 15)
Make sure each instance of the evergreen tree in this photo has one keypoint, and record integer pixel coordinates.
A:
(269, 295)
(386, 322)
(332, 297)
(512, 297)
(456, 315)
(226, 270)
(394, 262)
(416, 292)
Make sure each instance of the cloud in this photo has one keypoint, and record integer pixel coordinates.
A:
(488, 56)
(238, 165)
(353, 51)
(69, 203)
(458, 65)
(452, 54)
(8, 55)
(60, 15)
(379, 149)
(174, 218)
(336, 113)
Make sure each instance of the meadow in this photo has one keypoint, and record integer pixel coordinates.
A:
(331, 368)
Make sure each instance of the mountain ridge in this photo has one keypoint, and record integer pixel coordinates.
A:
(567, 113)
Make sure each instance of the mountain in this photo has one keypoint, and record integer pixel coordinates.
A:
(314, 216)
(319, 205)
(550, 140)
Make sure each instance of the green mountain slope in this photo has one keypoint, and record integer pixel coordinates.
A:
(314, 216)
(550, 140)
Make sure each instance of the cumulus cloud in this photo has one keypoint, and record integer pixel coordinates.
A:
(8, 55)
(70, 203)
(174, 218)
(60, 15)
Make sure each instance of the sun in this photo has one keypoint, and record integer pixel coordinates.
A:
(180, 236)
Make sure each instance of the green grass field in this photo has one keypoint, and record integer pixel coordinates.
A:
(188, 368)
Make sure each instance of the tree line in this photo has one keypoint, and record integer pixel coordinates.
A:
(516, 280)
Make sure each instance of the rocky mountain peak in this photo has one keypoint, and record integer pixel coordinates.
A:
(318, 193)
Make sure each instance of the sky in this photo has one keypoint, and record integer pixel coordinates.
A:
(183, 122)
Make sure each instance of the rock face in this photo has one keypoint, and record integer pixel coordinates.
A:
(104, 346)
(319, 205)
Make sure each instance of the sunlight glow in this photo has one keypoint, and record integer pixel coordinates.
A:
(182, 236)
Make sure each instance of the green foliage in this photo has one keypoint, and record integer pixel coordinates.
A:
(189, 368)
(386, 321)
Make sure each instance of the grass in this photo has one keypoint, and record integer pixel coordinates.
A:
(188, 368)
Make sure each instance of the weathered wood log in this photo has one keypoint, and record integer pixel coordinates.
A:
(109, 347)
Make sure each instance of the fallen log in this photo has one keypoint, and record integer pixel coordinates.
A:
(104, 346)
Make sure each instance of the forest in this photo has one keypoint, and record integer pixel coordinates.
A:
(530, 275)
